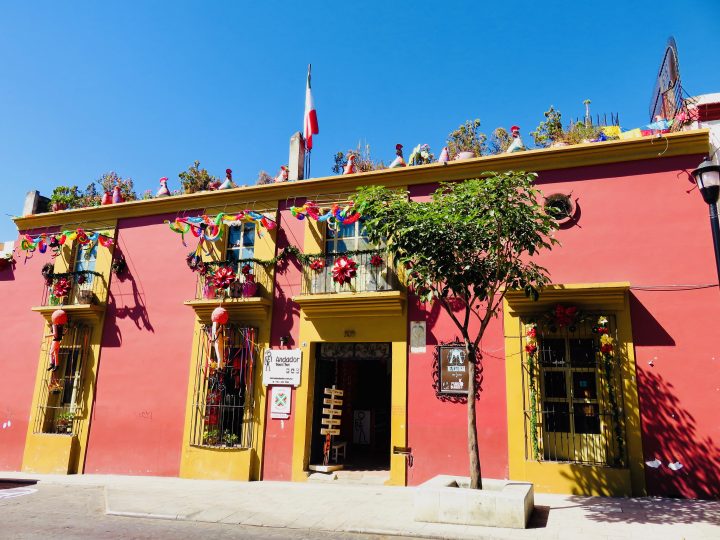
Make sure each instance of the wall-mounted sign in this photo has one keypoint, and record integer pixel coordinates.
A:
(418, 336)
(280, 404)
(282, 366)
(453, 369)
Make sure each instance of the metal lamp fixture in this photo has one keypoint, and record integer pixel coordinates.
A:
(707, 176)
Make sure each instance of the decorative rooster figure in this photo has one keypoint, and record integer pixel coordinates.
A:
(106, 198)
(219, 319)
(59, 320)
(213, 185)
(228, 183)
(444, 155)
(350, 167)
(117, 196)
(517, 144)
(282, 176)
(163, 191)
(398, 161)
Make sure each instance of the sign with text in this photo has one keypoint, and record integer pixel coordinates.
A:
(282, 366)
(280, 404)
(453, 369)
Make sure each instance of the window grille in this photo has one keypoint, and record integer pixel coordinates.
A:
(579, 397)
(60, 403)
(223, 397)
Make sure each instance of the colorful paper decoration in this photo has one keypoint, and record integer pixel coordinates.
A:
(42, 241)
(219, 318)
(344, 270)
(345, 215)
(59, 320)
(210, 229)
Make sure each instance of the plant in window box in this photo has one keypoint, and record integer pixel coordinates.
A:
(211, 437)
(63, 422)
(231, 439)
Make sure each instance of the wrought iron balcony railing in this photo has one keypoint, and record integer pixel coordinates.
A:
(75, 288)
(373, 273)
(255, 283)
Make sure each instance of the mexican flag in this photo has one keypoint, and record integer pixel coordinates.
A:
(311, 123)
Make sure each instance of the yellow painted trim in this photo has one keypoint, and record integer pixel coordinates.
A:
(349, 304)
(235, 463)
(563, 477)
(365, 326)
(266, 196)
(51, 453)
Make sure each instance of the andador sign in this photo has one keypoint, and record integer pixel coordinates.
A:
(282, 367)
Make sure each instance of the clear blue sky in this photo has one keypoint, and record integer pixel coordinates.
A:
(145, 88)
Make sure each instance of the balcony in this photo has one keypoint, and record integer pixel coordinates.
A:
(249, 294)
(374, 290)
(374, 274)
(83, 293)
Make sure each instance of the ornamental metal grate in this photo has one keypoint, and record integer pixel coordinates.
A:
(374, 273)
(573, 397)
(223, 392)
(60, 404)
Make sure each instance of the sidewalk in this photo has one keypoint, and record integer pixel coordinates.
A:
(387, 510)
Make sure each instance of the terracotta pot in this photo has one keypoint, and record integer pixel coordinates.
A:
(59, 206)
(465, 155)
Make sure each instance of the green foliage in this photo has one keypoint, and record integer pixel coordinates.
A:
(195, 178)
(91, 196)
(111, 179)
(230, 439)
(467, 138)
(473, 240)
(363, 160)
(550, 130)
(500, 140)
(581, 132)
(66, 195)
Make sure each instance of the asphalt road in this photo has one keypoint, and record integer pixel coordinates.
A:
(34, 511)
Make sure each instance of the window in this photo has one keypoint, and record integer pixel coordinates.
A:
(240, 243)
(352, 237)
(223, 388)
(574, 417)
(83, 291)
(61, 399)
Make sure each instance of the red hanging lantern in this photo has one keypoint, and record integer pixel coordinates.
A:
(344, 270)
(59, 320)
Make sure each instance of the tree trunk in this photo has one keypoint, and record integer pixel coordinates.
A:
(473, 450)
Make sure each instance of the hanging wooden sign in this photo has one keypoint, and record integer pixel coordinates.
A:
(329, 431)
(330, 421)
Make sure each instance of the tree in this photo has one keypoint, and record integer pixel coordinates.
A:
(465, 248)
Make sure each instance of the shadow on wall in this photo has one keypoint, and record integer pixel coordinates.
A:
(669, 437)
(134, 310)
(647, 331)
(282, 323)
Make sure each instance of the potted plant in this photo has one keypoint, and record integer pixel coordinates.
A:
(466, 141)
(211, 437)
(231, 439)
(550, 132)
(63, 422)
(196, 179)
(64, 197)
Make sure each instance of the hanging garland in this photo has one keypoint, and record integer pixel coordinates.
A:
(607, 349)
(44, 241)
(334, 216)
(569, 317)
(531, 348)
(210, 229)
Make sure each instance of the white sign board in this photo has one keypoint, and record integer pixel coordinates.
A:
(418, 336)
(282, 366)
(280, 404)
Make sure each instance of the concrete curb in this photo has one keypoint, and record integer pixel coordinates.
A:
(169, 517)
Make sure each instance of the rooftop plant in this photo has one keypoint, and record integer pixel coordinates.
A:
(500, 140)
(467, 138)
(549, 130)
(363, 160)
(195, 179)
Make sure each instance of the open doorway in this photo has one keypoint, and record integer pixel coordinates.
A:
(362, 371)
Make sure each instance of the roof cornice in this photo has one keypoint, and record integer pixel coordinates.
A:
(580, 155)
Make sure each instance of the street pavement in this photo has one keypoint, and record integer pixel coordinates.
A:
(152, 507)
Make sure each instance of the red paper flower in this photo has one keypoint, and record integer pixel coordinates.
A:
(61, 288)
(344, 270)
(81, 279)
(245, 269)
(376, 260)
(565, 316)
(223, 277)
(317, 265)
(606, 348)
(530, 348)
(532, 332)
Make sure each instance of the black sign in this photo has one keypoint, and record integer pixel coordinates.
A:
(453, 369)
